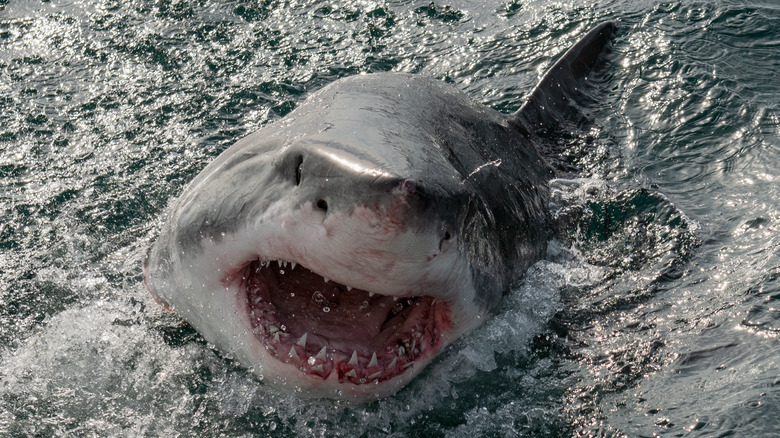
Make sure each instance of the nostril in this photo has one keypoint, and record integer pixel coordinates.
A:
(298, 169)
(322, 205)
(447, 236)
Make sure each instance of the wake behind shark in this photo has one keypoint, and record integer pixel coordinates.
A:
(337, 251)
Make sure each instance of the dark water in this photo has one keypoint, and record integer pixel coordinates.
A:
(657, 310)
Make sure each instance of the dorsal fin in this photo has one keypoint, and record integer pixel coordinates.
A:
(559, 93)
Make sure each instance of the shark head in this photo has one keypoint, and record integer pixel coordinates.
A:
(337, 251)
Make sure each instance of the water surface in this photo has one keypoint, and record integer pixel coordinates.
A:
(655, 312)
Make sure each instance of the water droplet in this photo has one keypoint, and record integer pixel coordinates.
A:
(318, 297)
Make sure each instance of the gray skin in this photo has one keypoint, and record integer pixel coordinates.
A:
(464, 181)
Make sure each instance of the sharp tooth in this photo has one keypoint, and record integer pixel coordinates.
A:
(273, 329)
(276, 337)
(392, 364)
(351, 373)
(349, 288)
(302, 341)
(373, 362)
(292, 265)
(294, 354)
(279, 262)
(395, 298)
(354, 359)
(284, 263)
(370, 294)
(326, 280)
(376, 375)
(321, 354)
(317, 368)
(407, 365)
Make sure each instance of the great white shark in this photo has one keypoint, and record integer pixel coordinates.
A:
(338, 250)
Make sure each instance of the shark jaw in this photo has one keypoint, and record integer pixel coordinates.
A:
(332, 332)
(327, 339)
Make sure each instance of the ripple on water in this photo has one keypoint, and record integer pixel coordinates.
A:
(701, 49)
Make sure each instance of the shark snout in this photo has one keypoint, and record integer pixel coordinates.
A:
(331, 180)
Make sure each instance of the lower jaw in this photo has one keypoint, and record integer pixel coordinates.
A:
(326, 371)
(287, 378)
(312, 355)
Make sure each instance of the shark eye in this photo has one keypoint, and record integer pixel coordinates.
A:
(444, 239)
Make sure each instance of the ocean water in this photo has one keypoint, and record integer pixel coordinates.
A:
(655, 313)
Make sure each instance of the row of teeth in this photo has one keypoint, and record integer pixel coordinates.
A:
(282, 264)
(322, 356)
(285, 263)
(316, 362)
(402, 350)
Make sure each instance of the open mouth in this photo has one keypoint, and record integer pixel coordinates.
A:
(322, 327)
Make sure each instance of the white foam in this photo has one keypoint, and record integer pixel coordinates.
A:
(103, 367)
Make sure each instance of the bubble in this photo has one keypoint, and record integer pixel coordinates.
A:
(326, 309)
